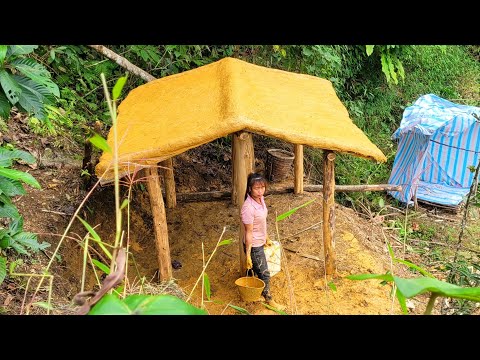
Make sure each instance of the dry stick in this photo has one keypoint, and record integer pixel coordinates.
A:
(287, 273)
(55, 212)
(313, 257)
(301, 231)
(205, 267)
(120, 60)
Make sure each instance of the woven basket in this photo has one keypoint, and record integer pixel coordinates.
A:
(279, 164)
(249, 287)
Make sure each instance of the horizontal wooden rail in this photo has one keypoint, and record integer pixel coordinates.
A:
(221, 195)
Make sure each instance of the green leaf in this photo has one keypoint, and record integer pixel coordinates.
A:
(124, 204)
(225, 242)
(3, 53)
(416, 267)
(369, 49)
(385, 277)
(117, 89)
(390, 251)
(402, 301)
(21, 176)
(21, 49)
(11, 187)
(413, 287)
(385, 68)
(36, 72)
(3, 269)
(7, 156)
(8, 210)
(10, 87)
(101, 266)
(160, 305)
(30, 240)
(292, 211)
(16, 225)
(332, 286)
(5, 106)
(32, 104)
(239, 309)
(95, 237)
(100, 143)
(43, 304)
(206, 282)
(110, 305)
(5, 240)
(19, 248)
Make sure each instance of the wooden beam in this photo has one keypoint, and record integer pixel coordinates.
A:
(222, 195)
(159, 223)
(169, 180)
(242, 163)
(329, 212)
(346, 188)
(298, 169)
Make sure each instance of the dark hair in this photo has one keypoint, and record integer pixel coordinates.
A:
(252, 179)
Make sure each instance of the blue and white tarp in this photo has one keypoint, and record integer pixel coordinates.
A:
(438, 146)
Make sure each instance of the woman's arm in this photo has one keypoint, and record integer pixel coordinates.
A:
(248, 242)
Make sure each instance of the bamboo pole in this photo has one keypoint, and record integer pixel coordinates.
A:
(242, 163)
(168, 176)
(329, 212)
(298, 169)
(159, 223)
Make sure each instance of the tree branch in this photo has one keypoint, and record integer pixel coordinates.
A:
(120, 60)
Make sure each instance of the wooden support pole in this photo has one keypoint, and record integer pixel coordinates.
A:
(329, 212)
(242, 165)
(298, 169)
(169, 181)
(159, 223)
(243, 158)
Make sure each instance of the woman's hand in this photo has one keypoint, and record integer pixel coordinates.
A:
(249, 262)
(269, 241)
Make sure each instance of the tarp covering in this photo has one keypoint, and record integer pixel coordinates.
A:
(438, 144)
(168, 116)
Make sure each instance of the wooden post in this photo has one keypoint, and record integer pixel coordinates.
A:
(159, 223)
(243, 158)
(169, 180)
(242, 165)
(329, 212)
(298, 169)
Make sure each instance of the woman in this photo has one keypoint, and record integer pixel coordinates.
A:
(254, 218)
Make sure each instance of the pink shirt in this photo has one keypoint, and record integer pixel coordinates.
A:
(256, 214)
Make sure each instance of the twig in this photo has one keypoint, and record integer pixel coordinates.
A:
(205, 267)
(301, 231)
(55, 212)
(313, 257)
